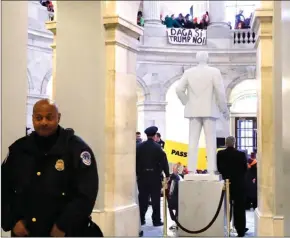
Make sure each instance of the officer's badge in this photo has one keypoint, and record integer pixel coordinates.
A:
(86, 158)
(59, 165)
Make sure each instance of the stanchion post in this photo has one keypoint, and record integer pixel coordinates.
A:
(164, 208)
(228, 207)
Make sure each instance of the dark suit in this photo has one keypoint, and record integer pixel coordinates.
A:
(232, 164)
(151, 160)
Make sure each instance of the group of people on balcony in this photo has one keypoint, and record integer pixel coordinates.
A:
(179, 22)
(242, 22)
(48, 4)
(187, 21)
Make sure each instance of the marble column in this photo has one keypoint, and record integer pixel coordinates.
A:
(217, 11)
(152, 114)
(285, 26)
(51, 26)
(14, 84)
(269, 217)
(151, 12)
(14, 72)
(96, 92)
(199, 8)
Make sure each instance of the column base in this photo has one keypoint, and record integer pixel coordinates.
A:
(268, 225)
(123, 221)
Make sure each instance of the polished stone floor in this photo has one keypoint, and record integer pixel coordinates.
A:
(150, 230)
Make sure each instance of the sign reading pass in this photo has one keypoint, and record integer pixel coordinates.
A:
(180, 36)
(177, 153)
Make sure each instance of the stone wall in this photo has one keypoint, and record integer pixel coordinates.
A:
(39, 55)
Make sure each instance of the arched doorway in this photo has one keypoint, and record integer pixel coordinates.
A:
(244, 103)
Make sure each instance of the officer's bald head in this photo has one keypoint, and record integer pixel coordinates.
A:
(44, 103)
(45, 117)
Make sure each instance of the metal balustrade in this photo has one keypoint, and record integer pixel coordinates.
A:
(244, 36)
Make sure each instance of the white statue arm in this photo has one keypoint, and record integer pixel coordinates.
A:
(220, 94)
(181, 89)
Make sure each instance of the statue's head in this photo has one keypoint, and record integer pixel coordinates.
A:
(202, 57)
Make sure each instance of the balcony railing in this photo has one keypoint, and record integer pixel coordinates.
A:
(244, 36)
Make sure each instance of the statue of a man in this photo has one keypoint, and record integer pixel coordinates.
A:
(202, 92)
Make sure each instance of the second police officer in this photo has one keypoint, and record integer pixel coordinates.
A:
(151, 161)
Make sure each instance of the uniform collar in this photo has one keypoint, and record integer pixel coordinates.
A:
(58, 147)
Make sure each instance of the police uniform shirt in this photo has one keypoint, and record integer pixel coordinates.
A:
(58, 187)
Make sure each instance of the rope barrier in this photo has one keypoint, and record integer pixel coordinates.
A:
(173, 215)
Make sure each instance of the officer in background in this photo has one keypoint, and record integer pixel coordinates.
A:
(159, 140)
(49, 180)
(151, 160)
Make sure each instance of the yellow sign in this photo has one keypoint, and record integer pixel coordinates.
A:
(177, 152)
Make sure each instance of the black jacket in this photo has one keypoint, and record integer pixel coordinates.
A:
(161, 143)
(59, 187)
(232, 165)
(151, 160)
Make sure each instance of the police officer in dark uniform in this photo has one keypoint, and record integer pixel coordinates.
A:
(49, 180)
(151, 160)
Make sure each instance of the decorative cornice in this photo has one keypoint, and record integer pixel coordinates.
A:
(121, 32)
(113, 22)
(51, 26)
(262, 15)
(182, 50)
(152, 106)
(39, 34)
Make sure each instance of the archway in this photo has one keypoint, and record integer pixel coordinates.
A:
(244, 104)
(243, 97)
(48, 91)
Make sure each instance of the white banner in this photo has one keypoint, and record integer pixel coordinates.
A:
(181, 36)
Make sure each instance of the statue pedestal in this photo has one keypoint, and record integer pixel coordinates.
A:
(198, 203)
(202, 177)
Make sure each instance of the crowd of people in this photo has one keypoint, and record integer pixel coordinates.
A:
(187, 21)
(48, 4)
(190, 22)
(181, 21)
(241, 22)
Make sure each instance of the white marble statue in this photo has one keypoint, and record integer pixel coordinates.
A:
(202, 92)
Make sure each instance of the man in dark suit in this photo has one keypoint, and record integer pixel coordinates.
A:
(151, 161)
(232, 165)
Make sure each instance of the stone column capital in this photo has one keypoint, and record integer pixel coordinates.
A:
(151, 12)
(265, 31)
(129, 32)
(51, 26)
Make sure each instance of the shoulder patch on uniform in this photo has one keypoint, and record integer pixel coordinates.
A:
(86, 158)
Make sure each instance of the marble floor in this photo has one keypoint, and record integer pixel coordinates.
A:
(151, 231)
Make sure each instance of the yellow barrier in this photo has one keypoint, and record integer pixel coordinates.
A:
(177, 152)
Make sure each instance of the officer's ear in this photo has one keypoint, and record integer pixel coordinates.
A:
(59, 116)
